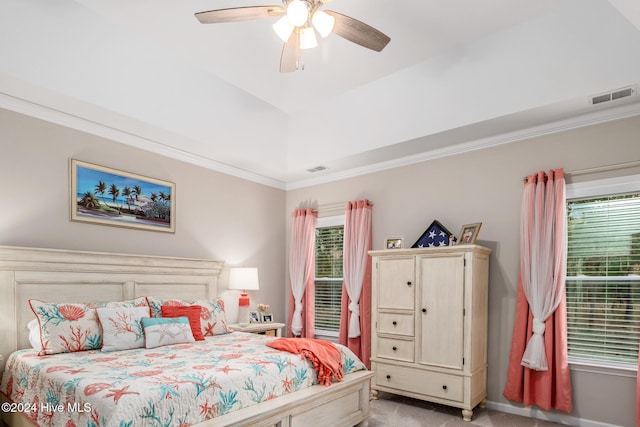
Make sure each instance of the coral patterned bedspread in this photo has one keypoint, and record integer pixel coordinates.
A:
(174, 385)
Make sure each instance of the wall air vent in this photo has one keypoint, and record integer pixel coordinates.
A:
(614, 95)
(317, 169)
(623, 93)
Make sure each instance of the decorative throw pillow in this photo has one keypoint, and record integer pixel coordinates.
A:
(192, 312)
(159, 331)
(213, 320)
(70, 327)
(122, 327)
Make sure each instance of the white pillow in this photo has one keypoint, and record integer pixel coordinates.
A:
(160, 331)
(122, 327)
(34, 334)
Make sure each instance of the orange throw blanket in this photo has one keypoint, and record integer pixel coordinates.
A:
(326, 358)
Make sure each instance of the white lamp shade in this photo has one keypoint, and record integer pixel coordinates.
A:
(297, 12)
(308, 38)
(244, 278)
(323, 23)
(284, 28)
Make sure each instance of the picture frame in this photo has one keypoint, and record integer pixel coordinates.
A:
(107, 196)
(267, 318)
(469, 233)
(394, 242)
(435, 235)
(254, 317)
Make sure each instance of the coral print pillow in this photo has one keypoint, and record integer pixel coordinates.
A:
(159, 331)
(213, 320)
(122, 327)
(70, 327)
(65, 328)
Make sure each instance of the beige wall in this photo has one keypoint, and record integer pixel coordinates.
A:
(217, 216)
(486, 186)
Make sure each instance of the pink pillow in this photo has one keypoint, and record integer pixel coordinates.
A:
(191, 311)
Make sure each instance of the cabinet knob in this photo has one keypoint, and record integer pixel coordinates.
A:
(424, 310)
(444, 387)
(409, 283)
(394, 348)
(394, 323)
(388, 377)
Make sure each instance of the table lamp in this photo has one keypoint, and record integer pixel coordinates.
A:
(244, 279)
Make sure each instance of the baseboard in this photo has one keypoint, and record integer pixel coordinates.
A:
(540, 414)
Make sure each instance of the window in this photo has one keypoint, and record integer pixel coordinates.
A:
(603, 271)
(328, 275)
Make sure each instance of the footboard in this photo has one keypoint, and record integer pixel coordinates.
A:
(342, 404)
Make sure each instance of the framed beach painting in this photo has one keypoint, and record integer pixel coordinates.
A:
(107, 196)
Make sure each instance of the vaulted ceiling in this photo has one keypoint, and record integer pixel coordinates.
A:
(457, 75)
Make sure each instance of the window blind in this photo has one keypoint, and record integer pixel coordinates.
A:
(328, 278)
(603, 278)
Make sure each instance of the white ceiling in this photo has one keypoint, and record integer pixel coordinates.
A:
(457, 75)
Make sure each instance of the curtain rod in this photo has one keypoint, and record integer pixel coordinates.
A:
(331, 207)
(596, 169)
(335, 206)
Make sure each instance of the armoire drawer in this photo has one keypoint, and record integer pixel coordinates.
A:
(396, 349)
(396, 324)
(443, 386)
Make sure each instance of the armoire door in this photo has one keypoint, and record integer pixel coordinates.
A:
(396, 283)
(441, 310)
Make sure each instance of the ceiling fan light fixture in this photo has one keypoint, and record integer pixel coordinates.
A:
(298, 12)
(308, 38)
(283, 28)
(297, 28)
(323, 23)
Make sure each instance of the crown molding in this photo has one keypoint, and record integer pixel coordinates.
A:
(589, 119)
(71, 121)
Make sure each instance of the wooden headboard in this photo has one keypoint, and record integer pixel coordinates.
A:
(75, 276)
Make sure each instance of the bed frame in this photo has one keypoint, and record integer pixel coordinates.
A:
(74, 276)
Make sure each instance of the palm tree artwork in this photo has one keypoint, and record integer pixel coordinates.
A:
(134, 201)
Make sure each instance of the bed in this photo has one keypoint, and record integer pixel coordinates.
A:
(72, 276)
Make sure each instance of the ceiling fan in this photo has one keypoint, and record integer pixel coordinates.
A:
(299, 20)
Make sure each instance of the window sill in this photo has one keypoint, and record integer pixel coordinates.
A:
(327, 336)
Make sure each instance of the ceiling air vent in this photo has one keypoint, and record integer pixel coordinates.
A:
(317, 169)
(614, 95)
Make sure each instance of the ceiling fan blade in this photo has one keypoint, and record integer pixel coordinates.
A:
(236, 14)
(358, 32)
(290, 54)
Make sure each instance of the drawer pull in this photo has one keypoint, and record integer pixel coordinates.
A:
(394, 348)
(424, 310)
(394, 323)
(444, 387)
(409, 283)
(388, 377)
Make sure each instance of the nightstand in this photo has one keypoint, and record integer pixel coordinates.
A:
(272, 328)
